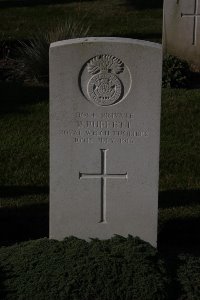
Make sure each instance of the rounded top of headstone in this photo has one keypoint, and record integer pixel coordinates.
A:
(106, 39)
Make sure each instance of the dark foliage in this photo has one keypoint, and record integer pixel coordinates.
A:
(119, 268)
(34, 55)
(176, 72)
(188, 275)
(2, 288)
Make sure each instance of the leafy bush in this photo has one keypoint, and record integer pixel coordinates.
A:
(188, 275)
(34, 54)
(115, 269)
(176, 72)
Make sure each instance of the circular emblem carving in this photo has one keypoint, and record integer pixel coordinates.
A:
(104, 89)
(105, 80)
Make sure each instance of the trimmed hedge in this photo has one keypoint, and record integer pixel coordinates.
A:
(188, 275)
(73, 269)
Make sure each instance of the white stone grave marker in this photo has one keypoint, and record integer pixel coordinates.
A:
(181, 29)
(104, 138)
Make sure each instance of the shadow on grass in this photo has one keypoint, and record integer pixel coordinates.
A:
(15, 96)
(145, 4)
(27, 3)
(175, 198)
(31, 221)
(23, 223)
(194, 81)
(26, 222)
(180, 234)
(16, 191)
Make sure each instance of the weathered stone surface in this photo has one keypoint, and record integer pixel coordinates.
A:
(104, 138)
(181, 29)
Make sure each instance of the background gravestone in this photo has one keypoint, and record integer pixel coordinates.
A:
(181, 29)
(104, 138)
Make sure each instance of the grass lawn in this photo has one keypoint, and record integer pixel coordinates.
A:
(106, 18)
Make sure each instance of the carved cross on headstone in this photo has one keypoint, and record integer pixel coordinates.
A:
(195, 16)
(103, 176)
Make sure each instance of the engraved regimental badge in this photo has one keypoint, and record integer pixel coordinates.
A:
(105, 80)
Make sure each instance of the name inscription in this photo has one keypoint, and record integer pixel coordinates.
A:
(106, 128)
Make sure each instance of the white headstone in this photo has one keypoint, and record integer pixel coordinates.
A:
(104, 138)
(181, 29)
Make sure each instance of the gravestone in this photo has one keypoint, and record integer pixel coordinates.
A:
(104, 138)
(181, 29)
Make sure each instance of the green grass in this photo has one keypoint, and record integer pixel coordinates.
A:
(107, 18)
(180, 139)
(179, 213)
(24, 126)
(24, 163)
